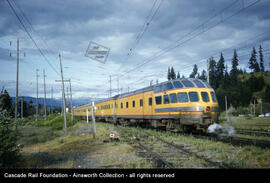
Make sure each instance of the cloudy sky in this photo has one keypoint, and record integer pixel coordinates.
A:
(145, 37)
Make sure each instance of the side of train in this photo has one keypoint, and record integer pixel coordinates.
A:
(187, 104)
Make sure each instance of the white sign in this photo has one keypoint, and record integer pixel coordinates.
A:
(97, 52)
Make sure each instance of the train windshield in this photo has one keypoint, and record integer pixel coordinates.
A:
(214, 99)
(193, 96)
(173, 98)
(205, 96)
(182, 97)
(187, 84)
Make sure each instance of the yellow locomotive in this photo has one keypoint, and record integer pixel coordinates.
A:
(181, 105)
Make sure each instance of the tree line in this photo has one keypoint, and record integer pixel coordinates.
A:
(240, 87)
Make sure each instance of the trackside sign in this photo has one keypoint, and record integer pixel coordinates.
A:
(97, 52)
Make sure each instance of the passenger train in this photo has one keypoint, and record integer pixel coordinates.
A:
(186, 104)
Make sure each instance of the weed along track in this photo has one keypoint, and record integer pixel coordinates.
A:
(165, 154)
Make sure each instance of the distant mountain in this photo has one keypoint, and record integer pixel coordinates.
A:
(56, 103)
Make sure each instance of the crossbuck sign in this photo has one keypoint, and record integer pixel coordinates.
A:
(97, 52)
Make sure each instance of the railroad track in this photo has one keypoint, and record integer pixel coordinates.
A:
(171, 151)
(235, 140)
(257, 132)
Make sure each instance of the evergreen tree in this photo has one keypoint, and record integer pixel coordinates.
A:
(203, 76)
(226, 82)
(6, 102)
(173, 75)
(253, 64)
(213, 73)
(220, 69)
(234, 70)
(169, 74)
(178, 75)
(261, 59)
(195, 71)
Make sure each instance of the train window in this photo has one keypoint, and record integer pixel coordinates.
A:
(198, 83)
(158, 100)
(150, 101)
(205, 96)
(158, 88)
(121, 105)
(133, 103)
(169, 86)
(166, 99)
(182, 97)
(207, 84)
(177, 84)
(187, 83)
(173, 98)
(193, 96)
(214, 99)
(126, 104)
(141, 102)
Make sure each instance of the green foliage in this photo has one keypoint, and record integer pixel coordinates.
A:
(195, 71)
(57, 122)
(6, 102)
(9, 151)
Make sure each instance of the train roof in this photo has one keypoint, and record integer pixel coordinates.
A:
(163, 86)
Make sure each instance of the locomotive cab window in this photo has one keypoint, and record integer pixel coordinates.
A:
(199, 84)
(182, 97)
(214, 99)
(158, 100)
(150, 101)
(166, 99)
(193, 96)
(158, 88)
(205, 96)
(141, 102)
(173, 98)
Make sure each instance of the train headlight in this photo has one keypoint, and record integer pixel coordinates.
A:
(208, 108)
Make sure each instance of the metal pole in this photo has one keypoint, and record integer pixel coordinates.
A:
(45, 106)
(17, 83)
(68, 100)
(254, 108)
(110, 85)
(93, 119)
(70, 92)
(37, 95)
(21, 108)
(51, 111)
(87, 113)
(226, 108)
(208, 78)
(63, 93)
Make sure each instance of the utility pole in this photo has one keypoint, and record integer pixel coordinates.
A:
(208, 78)
(71, 107)
(45, 106)
(17, 79)
(110, 86)
(254, 107)
(118, 85)
(37, 95)
(68, 102)
(226, 108)
(70, 94)
(51, 111)
(94, 119)
(63, 93)
(22, 108)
